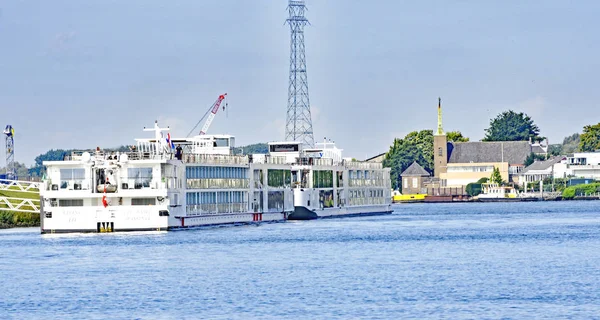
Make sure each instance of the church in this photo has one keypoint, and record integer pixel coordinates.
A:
(460, 163)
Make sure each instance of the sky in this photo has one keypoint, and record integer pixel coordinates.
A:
(81, 74)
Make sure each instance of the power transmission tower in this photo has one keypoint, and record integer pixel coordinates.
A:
(298, 125)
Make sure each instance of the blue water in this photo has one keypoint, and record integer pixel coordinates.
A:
(438, 261)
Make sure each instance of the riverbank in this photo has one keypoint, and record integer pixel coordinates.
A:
(15, 219)
(455, 199)
(10, 219)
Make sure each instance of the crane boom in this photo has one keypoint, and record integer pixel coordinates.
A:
(212, 114)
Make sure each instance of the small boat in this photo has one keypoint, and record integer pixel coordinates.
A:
(496, 192)
(110, 188)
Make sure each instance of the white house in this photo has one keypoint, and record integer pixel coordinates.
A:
(556, 167)
(585, 165)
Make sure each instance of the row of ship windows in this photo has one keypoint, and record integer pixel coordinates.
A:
(365, 174)
(79, 173)
(193, 198)
(199, 172)
(371, 193)
(79, 202)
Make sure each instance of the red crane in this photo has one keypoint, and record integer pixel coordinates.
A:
(213, 112)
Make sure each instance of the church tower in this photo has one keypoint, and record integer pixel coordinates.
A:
(440, 147)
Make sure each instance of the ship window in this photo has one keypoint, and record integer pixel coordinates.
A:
(279, 178)
(70, 202)
(143, 201)
(322, 179)
(221, 142)
(141, 177)
(71, 176)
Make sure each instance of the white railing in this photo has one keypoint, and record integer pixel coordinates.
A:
(19, 204)
(217, 183)
(304, 161)
(363, 165)
(214, 208)
(589, 194)
(275, 160)
(366, 183)
(545, 194)
(22, 186)
(214, 159)
(132, 155)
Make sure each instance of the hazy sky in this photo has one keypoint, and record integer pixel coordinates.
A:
(81, 74)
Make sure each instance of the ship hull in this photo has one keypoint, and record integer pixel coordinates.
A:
(100, 219)
(226, 219)
(303, 213)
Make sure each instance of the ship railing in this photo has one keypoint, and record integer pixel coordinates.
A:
(217, 183)
(216, 208)
(133, 155)
(308, 161)
(366, 182)
(275, 160)
(215, 159)
(363, 165)
(366, 201)
(140, 155)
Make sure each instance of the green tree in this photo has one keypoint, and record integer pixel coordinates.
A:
(532, 157)
(456, 136)
(590, 139)
(512, 126)
(555, 149)
(255, 148)
(496, 176)
(473, 189)
(416, 146)
(570, 144)
(51, 155)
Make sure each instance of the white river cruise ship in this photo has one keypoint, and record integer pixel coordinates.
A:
(152, 188)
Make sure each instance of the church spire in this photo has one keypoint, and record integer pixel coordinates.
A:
(440, 131)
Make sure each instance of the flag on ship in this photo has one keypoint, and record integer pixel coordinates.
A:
(169, 141)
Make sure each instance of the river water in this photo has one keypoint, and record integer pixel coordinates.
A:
(439, 261)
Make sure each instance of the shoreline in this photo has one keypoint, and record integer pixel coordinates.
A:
(518, 200)
(10, 219)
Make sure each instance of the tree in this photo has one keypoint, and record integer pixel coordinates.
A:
(56, 155)
(255, 148)
(483, 180)
(570, 144)
(51, 155)
(512, 126)
(416, 146)
(496, 176)
(590, 139)
(532, 157)
(555, 149)
(456, 136)
(20, 168)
